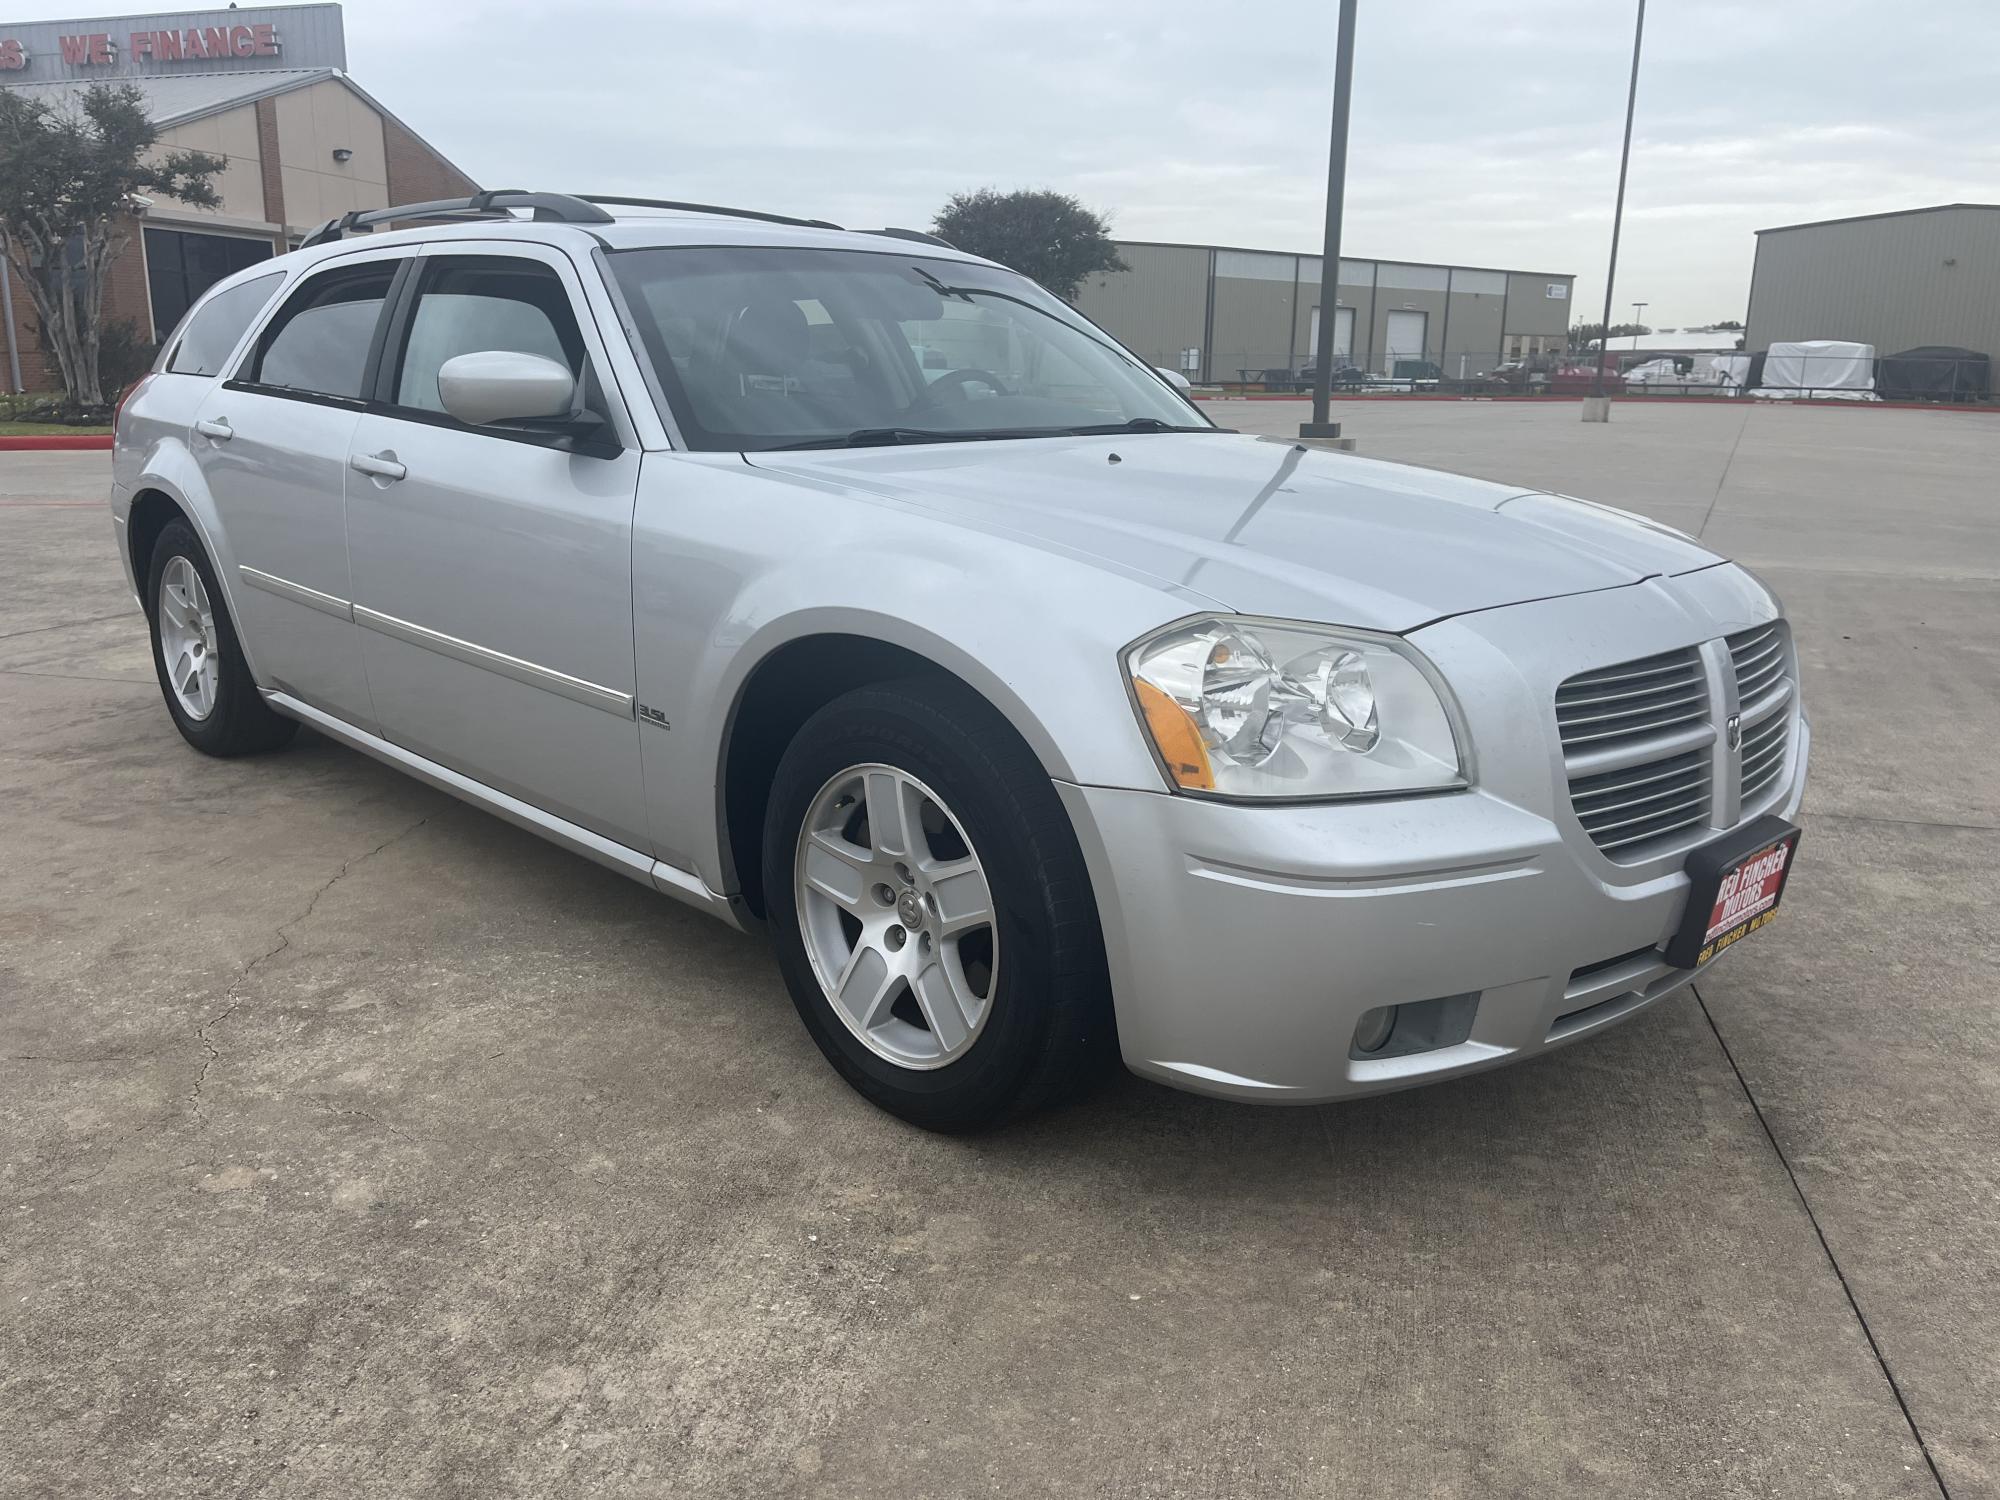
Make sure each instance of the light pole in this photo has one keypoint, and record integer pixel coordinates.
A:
(1637, 309)
(1336, 194)
(1597, 408)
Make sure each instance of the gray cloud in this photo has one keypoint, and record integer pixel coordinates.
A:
(1485, 131)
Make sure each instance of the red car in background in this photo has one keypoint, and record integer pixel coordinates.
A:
(1575, 377)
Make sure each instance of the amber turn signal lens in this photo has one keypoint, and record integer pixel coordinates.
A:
(1178, 739)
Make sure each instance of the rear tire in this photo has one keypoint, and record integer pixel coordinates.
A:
(991, 828)
(199, 660)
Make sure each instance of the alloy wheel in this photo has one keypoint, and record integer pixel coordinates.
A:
(897, 916)
(187, 638)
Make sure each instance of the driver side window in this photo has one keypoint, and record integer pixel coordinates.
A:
(469, 304)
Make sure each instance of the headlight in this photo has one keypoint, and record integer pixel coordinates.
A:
(1242, 707)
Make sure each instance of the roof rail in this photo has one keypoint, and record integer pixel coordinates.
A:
(705, 208)
(559, 208)
(914, 234)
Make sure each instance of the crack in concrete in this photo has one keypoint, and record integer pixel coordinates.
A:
(1826, 1246)
(1723, 478)
(203, 1034)
(83, 1059)
(361, 1114)
(15, 635)
(137, 682)
(1850, 817)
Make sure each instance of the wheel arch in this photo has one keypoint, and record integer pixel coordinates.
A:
(791, 679)
(152, 510)
(169, 489)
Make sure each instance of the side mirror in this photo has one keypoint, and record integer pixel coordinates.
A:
(1173, 378)
(503, 385)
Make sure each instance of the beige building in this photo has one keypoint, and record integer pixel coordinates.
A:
(1922, 276)
(264, 88)
(1220, 313)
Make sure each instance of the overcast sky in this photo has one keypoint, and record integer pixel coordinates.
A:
(1485, 132)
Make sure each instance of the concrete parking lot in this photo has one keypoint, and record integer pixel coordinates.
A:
(354, 1143)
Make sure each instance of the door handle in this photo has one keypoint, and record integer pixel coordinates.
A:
(217, 431)
(378, 465)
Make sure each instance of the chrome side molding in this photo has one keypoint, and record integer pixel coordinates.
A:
(532, 673)
(298, 593)
(511, 667)
(576, 689)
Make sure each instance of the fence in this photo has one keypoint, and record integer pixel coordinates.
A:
(1945, 377)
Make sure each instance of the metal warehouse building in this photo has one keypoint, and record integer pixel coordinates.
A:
(1924, 276)
(266, 89)
(1221, 313)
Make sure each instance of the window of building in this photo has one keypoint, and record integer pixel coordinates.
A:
(318, 343)
(214, 331)
(181, 265)
(478, 303)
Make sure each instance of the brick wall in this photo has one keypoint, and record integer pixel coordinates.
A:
(125, 291)
(416, 172)
(268, 161)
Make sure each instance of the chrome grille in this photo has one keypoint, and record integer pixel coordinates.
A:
(1632, 702)
(1638, 804)
(1765, 694)
(1764, 755)
(1759, 657)
(1635, 739)
(1640, 747)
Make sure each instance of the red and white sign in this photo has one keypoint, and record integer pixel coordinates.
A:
(193, 44)
(1749, 890)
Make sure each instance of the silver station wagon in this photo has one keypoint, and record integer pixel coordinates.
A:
(853, 588)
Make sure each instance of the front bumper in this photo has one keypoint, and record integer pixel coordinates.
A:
(1246, 942)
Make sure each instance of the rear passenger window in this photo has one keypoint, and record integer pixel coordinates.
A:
(318, 343)
(475, 303)
(217, 325)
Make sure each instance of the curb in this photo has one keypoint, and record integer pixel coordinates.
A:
(55, 442)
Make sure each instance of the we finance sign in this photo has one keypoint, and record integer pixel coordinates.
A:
(191, 41)
(102, 49)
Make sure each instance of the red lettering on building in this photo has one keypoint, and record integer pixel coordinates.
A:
(98, 49)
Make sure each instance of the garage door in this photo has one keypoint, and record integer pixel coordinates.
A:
(1343, 335)
(1406, 335)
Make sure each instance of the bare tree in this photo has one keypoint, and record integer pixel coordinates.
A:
(69, 181)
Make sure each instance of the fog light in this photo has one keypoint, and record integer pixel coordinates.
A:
(1374, 1030)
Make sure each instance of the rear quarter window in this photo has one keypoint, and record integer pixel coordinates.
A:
(317, 343)
(218, 325)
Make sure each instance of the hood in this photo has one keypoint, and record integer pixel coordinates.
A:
(1264, 526)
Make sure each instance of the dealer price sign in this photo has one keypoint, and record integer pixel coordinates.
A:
(1735, 885)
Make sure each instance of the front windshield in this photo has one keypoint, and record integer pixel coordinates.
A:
(771, 347)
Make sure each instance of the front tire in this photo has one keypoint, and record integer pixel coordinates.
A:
(199, 660)
(933, 918)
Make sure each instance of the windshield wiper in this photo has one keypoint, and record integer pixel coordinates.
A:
(888, 437)
(1138, 424)
(863, 437)
(884, 437)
